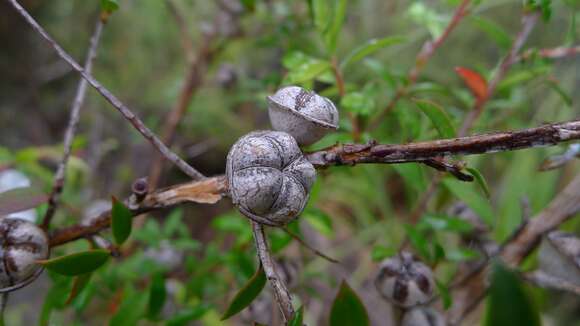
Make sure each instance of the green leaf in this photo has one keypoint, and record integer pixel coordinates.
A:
(418, 241)
(438, 117)
(331, 35)
(472, 198)
(480, 180)
(370, 47)
(322, 15)
(518, 77)
(131, 310)
(380, 252)
(247, 294)
(185, 316)
(445, 223)
(319, 220)
(250, 5)
(121, 221)
(461, 254)
(109, 5)
(507, 302)
(555, 86)
(347, 308)
(77, 263)
(308, 71)
(298, 318)
(157, 296)
(494, 31)
(444, 294)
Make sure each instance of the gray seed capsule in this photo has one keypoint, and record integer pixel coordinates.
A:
(305, 115)
(22, 244)
(405, 281)
(560, 256)
(269, 178)
(423, 316)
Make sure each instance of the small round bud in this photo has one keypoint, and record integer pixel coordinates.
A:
(305, 115)
(404, 281)
(423, 316)
(23, 243)
(269, 178)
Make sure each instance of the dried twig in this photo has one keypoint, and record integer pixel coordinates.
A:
(472, 290)
(548, 281)
(59, 177)
(427, 51)
(115, 102)
(281, 293)
(552, 53)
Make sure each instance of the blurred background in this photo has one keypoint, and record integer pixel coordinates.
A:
(230, 55)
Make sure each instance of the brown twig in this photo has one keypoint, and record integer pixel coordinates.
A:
(564, 206)
(545, 280)
(280, 291)
(115, 102)
(60, 175)
(350, 154)
(551, 53)
(186, 39)
(309, 247)
(427, 51)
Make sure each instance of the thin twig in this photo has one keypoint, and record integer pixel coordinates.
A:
(115, 102)
(309, 247)
(60, 176)
(545, 280)
(551, 53)
(280, 291)
(427, 51)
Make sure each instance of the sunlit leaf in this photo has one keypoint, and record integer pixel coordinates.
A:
(20, 199)
(438, 117)
(507, 302)
(77, 263)
(246, 294)
(476, 83)
(121, 221)
(368, 48)
(347, 308)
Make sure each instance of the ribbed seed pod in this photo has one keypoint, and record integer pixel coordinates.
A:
(22, 244)
(305, 115)
(269, 178)
(405, 281)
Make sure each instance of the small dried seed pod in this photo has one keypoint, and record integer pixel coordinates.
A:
(269, 178)
(22, 244)
(305, 115)
(423, 316)
(404, 281)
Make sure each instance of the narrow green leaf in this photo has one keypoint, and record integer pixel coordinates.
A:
(494, 31)
(445, 223)
(322, 15)
(307, 71)
(418, 241)
(347, 308)
(461, 254)
(370, 47)
(121, 221)
(77, 263)
(185, 316)
(319, 220)
(554, 85)
(381, 252)
(331, 36)
(358, 103)
(507, 302)
(438, 117)
(480, 180)
(247, 294)
(157, 296)
(79, 283)
(445, 294)
(298, 318)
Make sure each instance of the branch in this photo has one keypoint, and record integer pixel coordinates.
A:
(351, 154)
(281, 293)
(427, 51)
(207, 191)
(553, 53)
(548, 281)
(115, 102)
(564, 206)
(59, 178)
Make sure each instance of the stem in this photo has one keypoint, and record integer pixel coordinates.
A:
(281, 293)
(60, 176)
(115, 102)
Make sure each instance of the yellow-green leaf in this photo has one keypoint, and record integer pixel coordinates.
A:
(247, 294)
(438, 117)
(480, 180)
(370, 47)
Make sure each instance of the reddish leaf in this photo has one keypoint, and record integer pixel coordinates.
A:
(476, 83)
(20, 199)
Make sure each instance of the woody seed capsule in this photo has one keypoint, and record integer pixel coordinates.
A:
(269, 178)
(303, 114)
(405, 281)
(22, 244)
